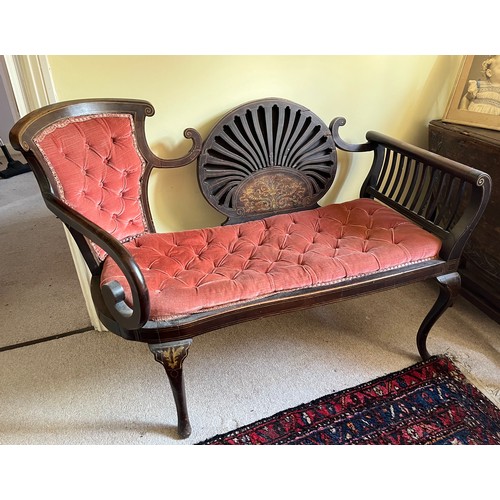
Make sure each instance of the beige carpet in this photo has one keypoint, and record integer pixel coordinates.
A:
(39, 294)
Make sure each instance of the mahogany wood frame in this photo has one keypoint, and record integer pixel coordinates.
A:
(445, 197)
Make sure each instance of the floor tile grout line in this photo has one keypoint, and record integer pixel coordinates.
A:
(46, 339)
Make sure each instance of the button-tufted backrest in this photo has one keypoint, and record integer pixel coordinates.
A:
(97, 169)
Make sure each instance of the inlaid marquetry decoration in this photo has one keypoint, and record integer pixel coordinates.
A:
(265, 157)
(268, 191)
(172, 354)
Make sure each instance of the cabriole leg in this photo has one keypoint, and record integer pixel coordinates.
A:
(449, 287)
(171, 355)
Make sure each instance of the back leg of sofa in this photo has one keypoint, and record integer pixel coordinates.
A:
(171, 355)
(449, 287)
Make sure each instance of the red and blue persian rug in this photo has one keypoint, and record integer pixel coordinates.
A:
(428, 403)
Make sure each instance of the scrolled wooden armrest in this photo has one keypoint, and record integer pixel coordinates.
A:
(465, 172)
(130, 318)
(456, 230)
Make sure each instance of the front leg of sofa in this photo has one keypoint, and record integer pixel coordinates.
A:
(171, 355)
(449, 288)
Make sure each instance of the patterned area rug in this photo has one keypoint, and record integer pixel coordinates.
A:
(428, 403)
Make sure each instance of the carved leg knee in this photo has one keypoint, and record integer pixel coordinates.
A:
(449, 287)
(171, 355)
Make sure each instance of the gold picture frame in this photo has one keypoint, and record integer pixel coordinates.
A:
(464, 106)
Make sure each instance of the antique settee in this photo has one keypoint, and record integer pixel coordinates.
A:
(265, 166)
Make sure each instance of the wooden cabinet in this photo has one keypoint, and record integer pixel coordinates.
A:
(480, 267)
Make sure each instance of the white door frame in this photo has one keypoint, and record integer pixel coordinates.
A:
(33, 87)
(31, 82)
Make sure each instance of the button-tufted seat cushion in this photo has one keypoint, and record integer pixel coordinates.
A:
(198, 270)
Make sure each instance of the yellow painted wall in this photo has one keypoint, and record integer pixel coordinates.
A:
(396, 95)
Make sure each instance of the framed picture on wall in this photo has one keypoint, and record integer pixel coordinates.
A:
(475, 100)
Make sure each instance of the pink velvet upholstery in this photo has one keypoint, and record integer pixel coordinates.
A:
(198, 270)
(97, 168)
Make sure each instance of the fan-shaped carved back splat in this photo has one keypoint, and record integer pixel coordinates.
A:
(267, 157)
